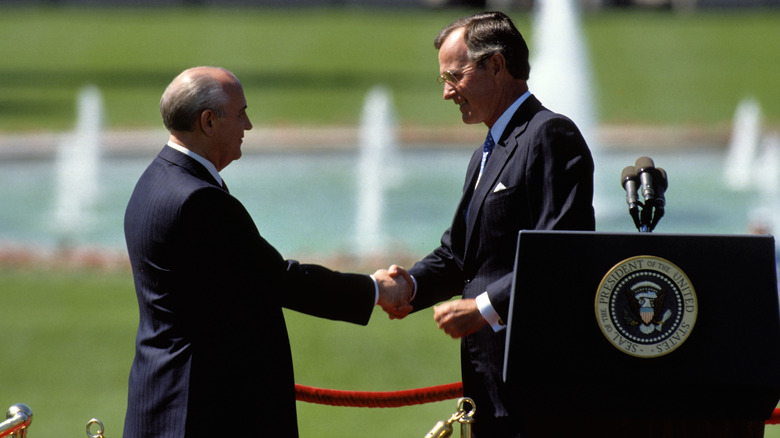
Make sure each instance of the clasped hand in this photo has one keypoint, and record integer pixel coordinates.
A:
(457, 318)
(395, 291)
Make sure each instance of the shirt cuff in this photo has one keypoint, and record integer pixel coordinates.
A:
(489, 313)
(376, 290)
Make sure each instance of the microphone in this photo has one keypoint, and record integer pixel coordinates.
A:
(629, 181)
(661, 184)
(645, 168)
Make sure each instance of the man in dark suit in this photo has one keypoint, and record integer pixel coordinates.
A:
(534, 172)
(212, 351)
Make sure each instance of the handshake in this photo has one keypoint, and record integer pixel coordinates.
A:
(396, 288)
(457, 318)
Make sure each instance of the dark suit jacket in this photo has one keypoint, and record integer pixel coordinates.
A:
(547, 170)
(212, 350)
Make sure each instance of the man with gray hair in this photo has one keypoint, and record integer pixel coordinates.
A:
(533, 172)
(212, 349)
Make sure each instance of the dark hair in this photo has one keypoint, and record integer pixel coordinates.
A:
(488, 33)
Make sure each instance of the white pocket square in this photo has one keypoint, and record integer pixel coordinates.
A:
(500, 186)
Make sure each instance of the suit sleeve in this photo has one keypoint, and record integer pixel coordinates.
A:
(318, 291)
(246, 272)
(440, 274)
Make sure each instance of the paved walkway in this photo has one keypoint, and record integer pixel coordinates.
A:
(43, 145)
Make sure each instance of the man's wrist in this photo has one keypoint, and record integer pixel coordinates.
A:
(489, 312)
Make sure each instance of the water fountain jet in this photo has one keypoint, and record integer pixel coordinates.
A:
(561, 79)
(77, 163)
(744, 144)
(378, 168)
(560, 67)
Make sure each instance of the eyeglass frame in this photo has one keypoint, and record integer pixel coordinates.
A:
(448, 76)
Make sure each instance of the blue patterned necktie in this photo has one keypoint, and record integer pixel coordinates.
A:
(487, 148)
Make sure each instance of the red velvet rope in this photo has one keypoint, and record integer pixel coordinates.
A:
(370, 399)
(775, 418)
(395, 399)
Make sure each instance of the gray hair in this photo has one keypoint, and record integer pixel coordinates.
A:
(184, 100)
(488, 33)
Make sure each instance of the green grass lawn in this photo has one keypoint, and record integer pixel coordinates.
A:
(68, 340)
(314, 66)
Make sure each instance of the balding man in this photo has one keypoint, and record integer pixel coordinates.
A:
(212, 352)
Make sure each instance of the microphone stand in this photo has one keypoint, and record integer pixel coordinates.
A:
(653, 185)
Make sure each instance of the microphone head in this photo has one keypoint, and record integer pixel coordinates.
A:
(644, 164)
(662, 181)
(628, 174)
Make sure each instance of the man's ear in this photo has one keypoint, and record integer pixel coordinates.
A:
(497, 62)
(206, 122)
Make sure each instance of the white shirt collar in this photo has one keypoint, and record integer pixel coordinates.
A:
(206, 163)
(498, 128)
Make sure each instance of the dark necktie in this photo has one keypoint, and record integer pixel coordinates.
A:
(487, 148)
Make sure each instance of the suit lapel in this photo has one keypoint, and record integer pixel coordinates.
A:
(496, 162)
(502, 153)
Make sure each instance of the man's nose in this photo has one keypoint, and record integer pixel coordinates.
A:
(449, 91)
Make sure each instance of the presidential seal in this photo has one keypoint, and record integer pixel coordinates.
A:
(646, 306)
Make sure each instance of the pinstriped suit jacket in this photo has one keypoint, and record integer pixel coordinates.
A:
(212, 349)
(545, 171)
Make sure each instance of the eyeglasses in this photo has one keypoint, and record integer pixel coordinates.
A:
(447, 76)
(451, 77)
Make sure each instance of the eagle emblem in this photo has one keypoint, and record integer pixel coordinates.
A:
(646, 307)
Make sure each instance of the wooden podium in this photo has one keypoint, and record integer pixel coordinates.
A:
(643, 335)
